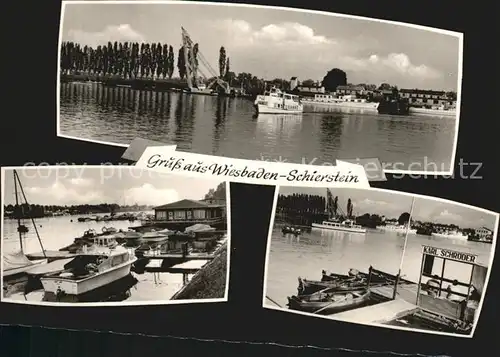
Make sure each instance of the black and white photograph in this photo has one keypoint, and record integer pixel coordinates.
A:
(381, 258)
(260, 83)
(101, 235)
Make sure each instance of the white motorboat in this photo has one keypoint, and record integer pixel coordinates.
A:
(155, 236)
(93, 267)
(451, 234)
(275, 101)
(344, 226)
(397, 228)
(346, 101)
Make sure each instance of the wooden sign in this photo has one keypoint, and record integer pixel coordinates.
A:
(450, 254)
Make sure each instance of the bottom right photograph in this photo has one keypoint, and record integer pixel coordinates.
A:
(379, 257)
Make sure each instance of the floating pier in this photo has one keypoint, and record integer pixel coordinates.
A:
(379, 313)
(179, 256)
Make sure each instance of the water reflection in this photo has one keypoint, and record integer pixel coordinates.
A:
(227, 127)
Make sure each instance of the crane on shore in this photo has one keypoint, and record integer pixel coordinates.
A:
(193, 58)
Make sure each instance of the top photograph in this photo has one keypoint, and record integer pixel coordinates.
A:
(260, 83)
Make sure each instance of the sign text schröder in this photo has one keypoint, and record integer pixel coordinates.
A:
(232, 171)
(450, 254)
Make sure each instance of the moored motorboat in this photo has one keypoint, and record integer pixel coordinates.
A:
(397, 228)
(92, 268)
(154, 237)
(454, 234)
(307, 287)
(329, 302)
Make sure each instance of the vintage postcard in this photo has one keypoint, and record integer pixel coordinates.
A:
(379, 257)
(112, 235)
(260, 83)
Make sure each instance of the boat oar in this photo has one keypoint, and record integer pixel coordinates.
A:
(274, 302)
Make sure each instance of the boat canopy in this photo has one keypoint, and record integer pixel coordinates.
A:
(199, 228)
(15, 260)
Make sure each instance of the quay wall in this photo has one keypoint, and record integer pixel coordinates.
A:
(210, 281)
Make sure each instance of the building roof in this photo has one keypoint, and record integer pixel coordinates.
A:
(347, 87)
(487, 229)
(187, 203)
(422, 91)
(293, 78)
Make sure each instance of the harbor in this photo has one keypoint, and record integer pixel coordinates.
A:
(205, 96)
(62, 259)
(383, 277)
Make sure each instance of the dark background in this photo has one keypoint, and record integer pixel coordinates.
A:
(30, 136)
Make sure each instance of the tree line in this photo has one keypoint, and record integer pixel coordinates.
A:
(26, 210)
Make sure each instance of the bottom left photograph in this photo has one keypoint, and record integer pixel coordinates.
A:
(96, 235)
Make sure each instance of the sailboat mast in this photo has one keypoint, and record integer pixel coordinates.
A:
(18, 212)
(404, 247)
(32, 219)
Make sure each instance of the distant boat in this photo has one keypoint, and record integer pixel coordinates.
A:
(397, 228)
(440, 112)
(154, 237)
(274, 101)
(346, 101)
(344, 226)
(451, 234)
(94, 267)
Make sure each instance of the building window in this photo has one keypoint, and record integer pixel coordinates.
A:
(170, 215)
(436, 101)
(199, 214)
(189, 214)
(180, 215)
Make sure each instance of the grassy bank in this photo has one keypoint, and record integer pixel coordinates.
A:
(209, 282)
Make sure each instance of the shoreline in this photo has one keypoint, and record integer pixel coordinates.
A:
(210, 281)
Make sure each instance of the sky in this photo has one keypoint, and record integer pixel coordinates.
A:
(392, 205)
(124, 185)
(271, 43)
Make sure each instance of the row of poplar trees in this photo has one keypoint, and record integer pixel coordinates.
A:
(125, 59)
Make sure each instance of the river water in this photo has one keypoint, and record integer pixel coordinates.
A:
(228, 127)
(307, 255)
(58, 232)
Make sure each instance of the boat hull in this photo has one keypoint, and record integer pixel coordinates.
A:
(453, 236)
(264, 109)
(328, 307)
(433, 112)
(57, 285)
(397, 230)
(362, 106)
(336, 228)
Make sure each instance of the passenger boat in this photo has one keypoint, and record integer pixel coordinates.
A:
(438, 111)
(344, 226)
(94, 267)
(329, 301)
(454, 234)
(275, 101)
(397, 228)
(346, 101)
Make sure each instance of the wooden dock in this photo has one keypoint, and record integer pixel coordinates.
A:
(179, 256)
(379, 313)
(408, 293)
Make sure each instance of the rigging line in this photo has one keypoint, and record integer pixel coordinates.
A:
(32, 220)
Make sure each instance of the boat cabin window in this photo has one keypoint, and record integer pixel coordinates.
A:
(119, 259)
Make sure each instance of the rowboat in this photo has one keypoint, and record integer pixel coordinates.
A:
(307, 287)
(329, 301)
